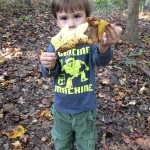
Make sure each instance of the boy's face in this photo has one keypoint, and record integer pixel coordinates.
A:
(71, 19)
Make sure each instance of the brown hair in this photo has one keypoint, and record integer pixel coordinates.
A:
(71, 6)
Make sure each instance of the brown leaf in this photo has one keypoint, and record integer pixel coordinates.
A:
(125, 138)
(148, 119)
(17, 145)
(119, 103)
(46, 114)
(144, 143)
(24, 138)
(44, 138)
(8, 107)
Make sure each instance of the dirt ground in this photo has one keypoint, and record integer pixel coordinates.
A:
(122, 89)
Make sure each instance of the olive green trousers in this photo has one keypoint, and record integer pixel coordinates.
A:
(77, 130)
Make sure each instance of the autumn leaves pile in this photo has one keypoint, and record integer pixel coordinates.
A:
(90, 32)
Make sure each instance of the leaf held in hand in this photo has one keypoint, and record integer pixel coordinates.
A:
(67, 39)
(99, 26)
(87, 33)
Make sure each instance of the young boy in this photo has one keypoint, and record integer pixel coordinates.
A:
(74, 109)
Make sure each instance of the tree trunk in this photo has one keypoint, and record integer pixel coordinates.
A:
(132, 21)
(147, 5)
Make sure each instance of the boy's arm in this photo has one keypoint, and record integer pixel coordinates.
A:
(102, 59)
(111, 36)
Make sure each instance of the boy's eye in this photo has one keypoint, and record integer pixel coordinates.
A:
(77, 16)
(64, 18)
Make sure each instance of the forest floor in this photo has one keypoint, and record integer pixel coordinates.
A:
(122, 88)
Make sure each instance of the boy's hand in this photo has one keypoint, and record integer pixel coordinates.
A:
(111, 36)
(48, 60)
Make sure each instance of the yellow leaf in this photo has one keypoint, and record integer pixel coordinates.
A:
(122, 94)
(17, 132)
(5, 83)
(67, 39)
(105, 81)
(142, 90)
(2, 60)
(39, 81)
(16, 144)
(46, 113)
(101, 28)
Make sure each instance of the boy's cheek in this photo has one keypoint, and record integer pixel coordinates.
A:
(61, 24)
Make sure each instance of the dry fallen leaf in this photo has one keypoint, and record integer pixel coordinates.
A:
(142, 90)
(148, 119)
(46, 114)
(21, 100)
(122, 95)
(144, 143)
(17, 132)
(125, 138)
(67, 39)
(1, 113)
(24, 138)
(2, 60)
(5, 83)
(39, 81)
(43, 139)
(101, 28)
(17, 145)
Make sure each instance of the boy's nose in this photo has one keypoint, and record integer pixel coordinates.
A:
(71, 24)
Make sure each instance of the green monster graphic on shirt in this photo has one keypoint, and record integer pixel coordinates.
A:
(72, 67)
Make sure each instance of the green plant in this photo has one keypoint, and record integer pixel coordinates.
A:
(106, 5)
(25, 18)
(11, 4)
(129, 61)
(137, 53)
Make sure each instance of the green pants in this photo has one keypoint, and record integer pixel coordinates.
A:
(78, 129)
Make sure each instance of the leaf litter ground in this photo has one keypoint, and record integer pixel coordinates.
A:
(122, 88)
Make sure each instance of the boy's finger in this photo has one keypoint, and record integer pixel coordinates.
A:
(104, 35)
(49, 64)
(117, 29)
(49, 59)
(112, 25)
(111, 33)
(46, 54)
